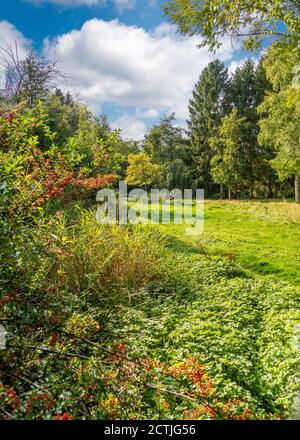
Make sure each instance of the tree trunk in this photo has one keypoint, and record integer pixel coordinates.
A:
(229, 193)
(221, 191)
(297, 188)
(251, 180)
(270, 189)
(236, 192)
(251, 188)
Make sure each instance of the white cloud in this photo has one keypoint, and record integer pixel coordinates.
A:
(9, 36)
(110, 62)
(150, 73)
(132, 128)
(235, 64)
(151, 113)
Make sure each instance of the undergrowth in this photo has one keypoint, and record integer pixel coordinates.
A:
(109, 322)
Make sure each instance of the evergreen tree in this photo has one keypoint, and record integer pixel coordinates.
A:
(207, 108)
(248, 88)
(264, 172)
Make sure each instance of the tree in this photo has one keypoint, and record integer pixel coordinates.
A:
(264, 173)
(254, 19)
(27, 79)
(228, 163)
(168, 146)
(207, 108)
(142, 171)
(247, 90)
(281, 113)
(62, 115)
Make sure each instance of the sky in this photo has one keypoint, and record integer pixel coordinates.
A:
(121, 57)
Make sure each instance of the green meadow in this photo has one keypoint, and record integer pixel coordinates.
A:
(262, 237)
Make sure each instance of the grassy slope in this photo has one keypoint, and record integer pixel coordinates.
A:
(262, 237)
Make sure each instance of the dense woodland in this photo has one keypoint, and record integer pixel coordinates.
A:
(126, 322)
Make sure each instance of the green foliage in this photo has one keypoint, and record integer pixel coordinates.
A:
(32, 175)
(228, 163)
(215, 96)
(207, 107)
(142, 171)
(248, 88)
(279, 125)
(230, 323)
(254, 20)
(168, 146)
(125, 322)
(123, 328)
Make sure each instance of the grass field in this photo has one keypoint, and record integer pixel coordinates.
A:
(262, 237)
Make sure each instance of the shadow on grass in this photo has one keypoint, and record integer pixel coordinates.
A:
(179, 245)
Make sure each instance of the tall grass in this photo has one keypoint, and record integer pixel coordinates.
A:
(108, 259)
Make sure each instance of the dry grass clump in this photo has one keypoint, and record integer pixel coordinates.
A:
(109, 258)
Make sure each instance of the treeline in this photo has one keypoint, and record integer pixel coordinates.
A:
(242, 139)
(253, 144)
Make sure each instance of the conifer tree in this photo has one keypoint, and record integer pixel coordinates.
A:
(248, 88)
(207, 108)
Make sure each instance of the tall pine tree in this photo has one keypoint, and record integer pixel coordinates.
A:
(207, 108)
(247, 90)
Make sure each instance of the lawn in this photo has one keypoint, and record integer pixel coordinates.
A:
(262, 237)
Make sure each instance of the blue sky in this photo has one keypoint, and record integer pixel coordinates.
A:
(120, 56)
(39, 19)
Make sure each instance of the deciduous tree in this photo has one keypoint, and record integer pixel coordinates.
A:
(255, 20)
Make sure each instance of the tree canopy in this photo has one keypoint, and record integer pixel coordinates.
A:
(254, 20)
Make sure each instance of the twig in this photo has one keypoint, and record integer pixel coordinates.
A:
(32, 383)
(7, 413)
(100, 347)
(60, 353)
(174, 393)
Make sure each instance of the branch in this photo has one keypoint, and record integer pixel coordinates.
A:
(7, 413)
(59, 353)
(106, 350)
(258, 33)
(174, 393)
(31, 383)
